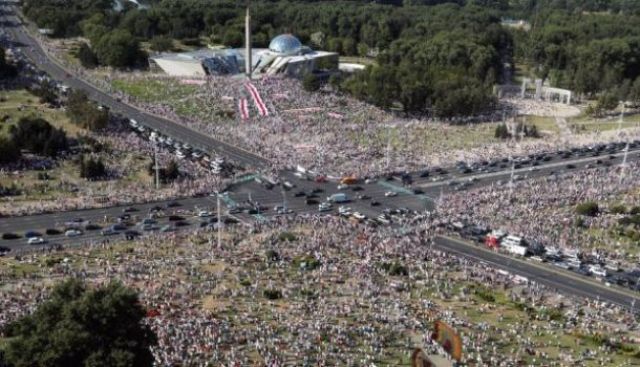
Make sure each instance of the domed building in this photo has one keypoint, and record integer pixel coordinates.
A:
(285, 55)
(285, 44)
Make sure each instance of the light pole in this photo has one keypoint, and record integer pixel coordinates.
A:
(156, 167)
(219, 219)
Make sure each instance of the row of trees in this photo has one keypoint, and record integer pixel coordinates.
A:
(590, 53)
(438, 57)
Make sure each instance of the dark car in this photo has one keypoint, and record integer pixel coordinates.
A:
(182, 223)
(29, 234)
(175, 218)
(172, 204)
(417, 191)
(571, 166)
(300, 194)
(424, 174)
(53, 231)
(129, 209)
(374, 203)
(364, 197)
(92, 227)
(156, 208)
(311, 202)
(357, 188)
(10, 236)
(317, 190)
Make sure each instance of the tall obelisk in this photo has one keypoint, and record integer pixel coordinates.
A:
(247, 40)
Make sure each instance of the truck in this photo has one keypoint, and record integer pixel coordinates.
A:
(338, 198)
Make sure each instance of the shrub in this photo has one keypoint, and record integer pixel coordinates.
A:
(589, 208)
(272, 294)
(307, 262)
(272, 256)
(618, 209)
(287, 237)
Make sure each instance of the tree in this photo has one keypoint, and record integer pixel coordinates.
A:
(502, 132)
(92, 169)
(85, 113)
(119, 49)
(87, 57)
(46, 92)
(172, 171)
(38, 136)
(161, 44)
(6, 70)
(311, 82)
(9, 152)
(80, 326)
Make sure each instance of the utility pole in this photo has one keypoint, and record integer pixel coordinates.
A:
(388, 158)
(284, 198)
(219, 219)
(156, 167)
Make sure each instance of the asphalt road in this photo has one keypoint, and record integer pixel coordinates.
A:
(555, 278)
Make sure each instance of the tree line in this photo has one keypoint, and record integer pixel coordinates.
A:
(439, 57)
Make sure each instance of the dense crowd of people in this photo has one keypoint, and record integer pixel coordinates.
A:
(338, 301)
(543, 210)
(328, 132)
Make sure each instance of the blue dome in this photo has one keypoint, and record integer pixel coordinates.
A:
(285, 44)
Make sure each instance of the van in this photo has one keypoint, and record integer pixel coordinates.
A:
(338, 198)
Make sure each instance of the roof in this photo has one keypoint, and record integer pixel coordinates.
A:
(286, 44)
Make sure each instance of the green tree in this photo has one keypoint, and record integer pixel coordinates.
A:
(87, 57)
(92, 169)
(9, 152)
(38, 136)
(161, 44)
(172, 171)
(119, 49)
(85, 113)
(80, 326)
(502, 132)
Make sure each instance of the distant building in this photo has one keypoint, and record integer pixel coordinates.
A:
(285, 55)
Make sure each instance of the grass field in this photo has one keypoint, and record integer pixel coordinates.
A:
(64, 179)
(17, 104)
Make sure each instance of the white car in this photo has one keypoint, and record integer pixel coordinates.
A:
(324, 207)
(342, 186)
(204, 214)
(35, 241)
(359, 216)
(369, 181)
(390, 194)
(180, 154)
(73, 233)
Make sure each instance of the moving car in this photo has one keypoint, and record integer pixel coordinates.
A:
(73, 233)
(36, 241)
(390, 194)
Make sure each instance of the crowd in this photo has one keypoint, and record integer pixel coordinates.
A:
(543, 210)
(338, 304)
